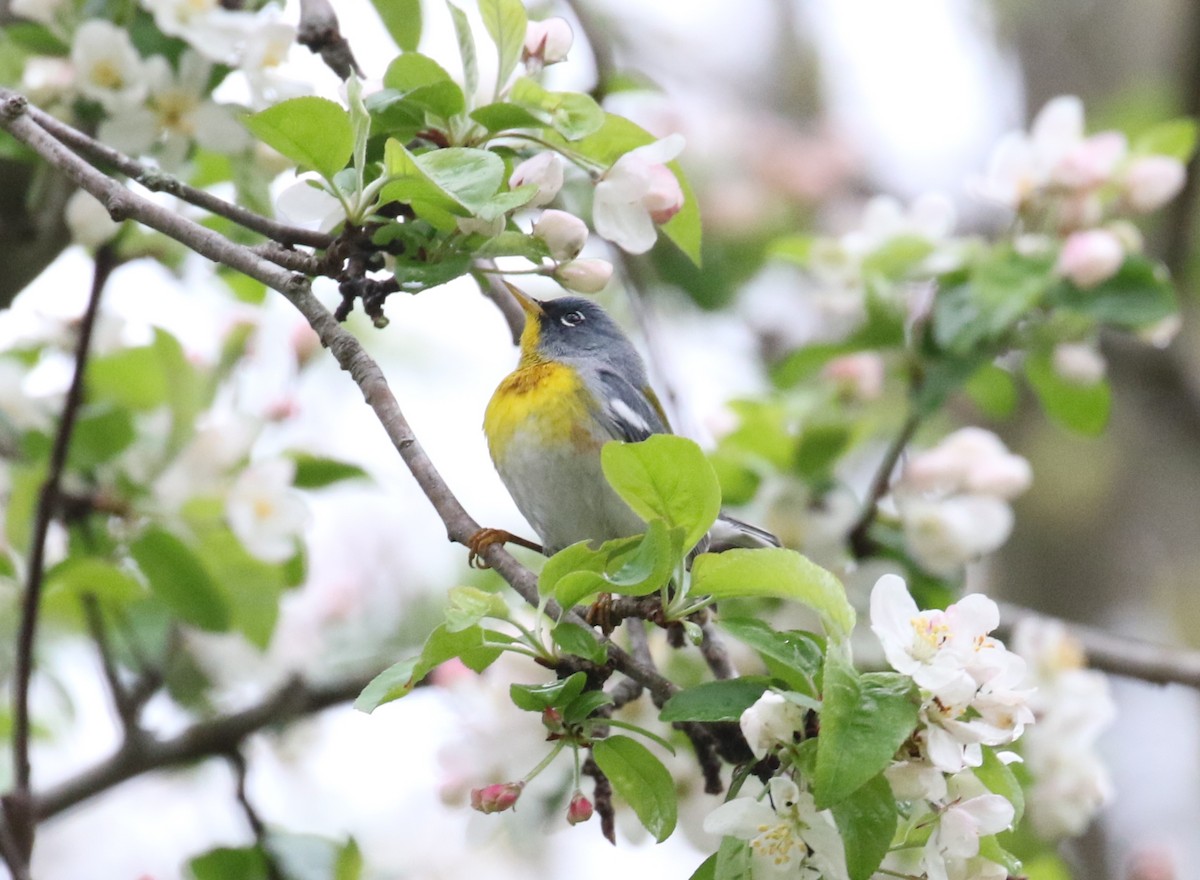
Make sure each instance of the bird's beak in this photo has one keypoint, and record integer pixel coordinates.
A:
(528, 304)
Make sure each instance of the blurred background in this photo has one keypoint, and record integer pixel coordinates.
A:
(795, 113)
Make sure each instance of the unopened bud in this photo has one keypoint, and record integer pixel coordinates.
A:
(479, 226)
(1078, 363)
(1153, 181)
(564, 234)
(496, 798)
(858, 376)
(547, 42)
(580, 808)
(664, 197)
(1090, 256)
(584, 276)
(545, 171)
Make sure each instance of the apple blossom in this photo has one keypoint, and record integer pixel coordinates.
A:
(955, 838)
(584, 276)
(545, 171)
(1090, 256)
(547, 42)
(944, 534)
(108, 68)
(48, 80)
(309, 204)
(970, 459)
(564, 234)
(1078, 362)
(858, 376)
(265, 512)
(89, 221)
(771, 721)
(1090, 162)
(638, 191)
(497, 797)
(1152, 181)
(788, 836)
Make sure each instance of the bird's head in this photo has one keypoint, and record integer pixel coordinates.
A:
(569, 328)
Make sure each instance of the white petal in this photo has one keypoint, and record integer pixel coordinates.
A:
(740, 817)
(625, 224)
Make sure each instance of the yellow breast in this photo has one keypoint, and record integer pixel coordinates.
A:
(543, 401)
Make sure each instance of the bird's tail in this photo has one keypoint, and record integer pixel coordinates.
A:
(728, 533)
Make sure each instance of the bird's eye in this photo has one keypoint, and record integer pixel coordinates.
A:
(570, 319)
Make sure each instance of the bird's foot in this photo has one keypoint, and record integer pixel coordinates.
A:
(479, 542)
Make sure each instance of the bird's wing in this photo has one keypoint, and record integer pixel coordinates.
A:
(626, 412)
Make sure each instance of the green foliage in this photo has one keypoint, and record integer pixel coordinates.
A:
(867, 820)
(398, 680)
(178, 577)
(421, 82)
(1081, 408)
(580, 641)
(715, 700)
(317, 472)
(313, 132)
(469, 605)
(1175, 138)
(555, 694)
(864, 720)
(779, 573)
(505, 22)
(641, 779)
(402, 18)
(665, 477)
(795, 656)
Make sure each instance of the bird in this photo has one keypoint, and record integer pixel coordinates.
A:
(579, 383)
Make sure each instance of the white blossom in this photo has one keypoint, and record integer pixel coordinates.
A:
(955, 839)
(545, 171)
(547, 42)
(771, 721)
(88, 220)
(638, 191)
(1152, 181)
(1078, 362)
(42, 11)
(564, 234)
(971, 460)
(109, 69)
(307, 203)
(945, 533)
(265, 512)
(1090, 256)
(788, 836)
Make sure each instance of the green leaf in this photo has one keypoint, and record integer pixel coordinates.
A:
(469, 605)
(1138, 295)
(422, 81)
(100, 435)
(177, 576)
(225, 863)
(1081, 408)
(867, 821)
(584, 706)
(715, 700)
(1175, 138)
(402, 18)
(993, 390)
(311, 856)
(313, 132)
(132, 377)
(864, 720)
(399, 679)
(466, 48)
(575, 558)
(990, 849)
(988, 304)
(685, 228)
(707, 869)
(317, 472)
(74, 577)
(733, 860)
(1000, 779)
(794, 656)
(641, 779)
(572, 115)
(502, 116)
(505, 21)
(821, 445)
(539, 697)
(645, 567)
(579, 640)
(780, 573)
(349, 864)
(442, 184)
(665, 477)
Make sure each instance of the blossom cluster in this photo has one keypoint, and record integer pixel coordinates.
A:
(971, 695)
(953, 498)
(1073, 707)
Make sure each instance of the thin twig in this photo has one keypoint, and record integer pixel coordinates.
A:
(320, 34)
(16, 812)
(860, 544)
(159, 181)
(258, 828)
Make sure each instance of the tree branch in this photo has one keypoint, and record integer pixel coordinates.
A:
(860, 544)
(207, 739)
(17, 814)
(1118, 655)
(159, 181)
(320, 34)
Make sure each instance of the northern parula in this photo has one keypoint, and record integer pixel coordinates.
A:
(579, 384)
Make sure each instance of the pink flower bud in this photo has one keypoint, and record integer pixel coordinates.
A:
(664, 197)
(547, 42)
(584, 276)
(1078, 363)
(1152, 182)
(859, 376)
(552, 719)
(497, 797)
(580, 808)
(1090, 256)
(1090, 162)
(564, 234)
(545, 171)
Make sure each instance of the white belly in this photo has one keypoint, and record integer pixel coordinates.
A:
(563, 494)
